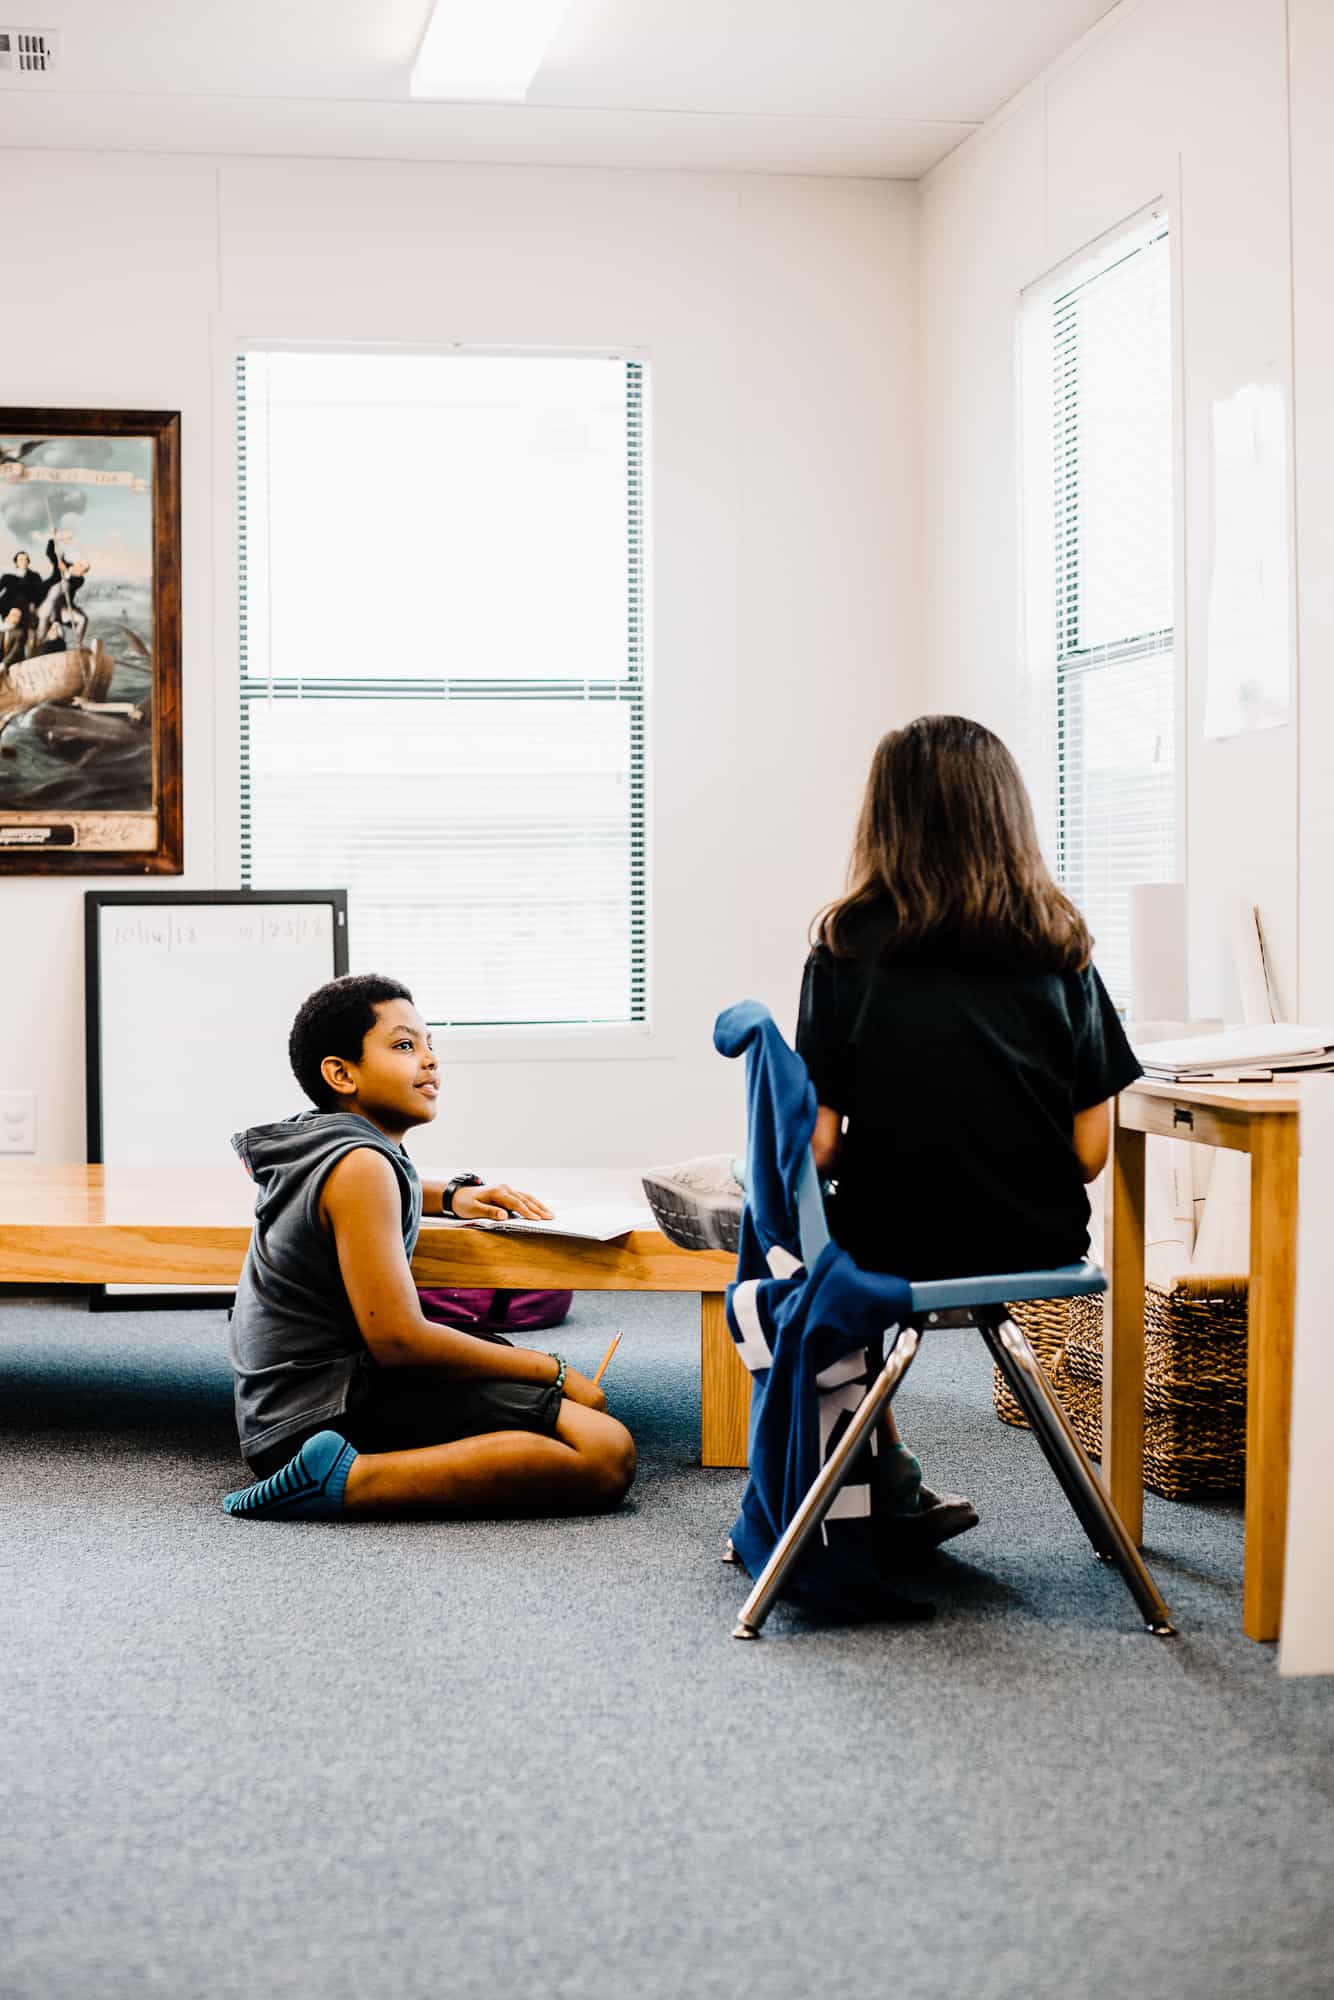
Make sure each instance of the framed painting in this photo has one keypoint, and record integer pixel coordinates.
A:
(90, 642)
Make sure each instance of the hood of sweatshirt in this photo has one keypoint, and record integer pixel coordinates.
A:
(295, 1145)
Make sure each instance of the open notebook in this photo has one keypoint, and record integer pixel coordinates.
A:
(589, 1221)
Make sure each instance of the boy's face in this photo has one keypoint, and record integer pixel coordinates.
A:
(396, 1081)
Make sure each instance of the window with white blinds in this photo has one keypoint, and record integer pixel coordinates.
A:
(442, 671)
(1106, 578)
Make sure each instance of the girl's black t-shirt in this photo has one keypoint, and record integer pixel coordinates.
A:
(960, 1071)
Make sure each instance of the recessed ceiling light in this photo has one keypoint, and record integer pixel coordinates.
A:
(488, 49)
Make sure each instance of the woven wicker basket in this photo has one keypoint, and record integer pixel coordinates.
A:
(1194, 1379)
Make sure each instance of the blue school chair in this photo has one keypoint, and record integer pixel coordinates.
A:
(976, 1302)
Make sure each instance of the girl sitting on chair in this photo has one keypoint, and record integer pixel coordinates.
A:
(963, 1048)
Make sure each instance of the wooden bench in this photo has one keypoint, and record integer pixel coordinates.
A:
(82, 1225)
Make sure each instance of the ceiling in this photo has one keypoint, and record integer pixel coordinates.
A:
(862, 87)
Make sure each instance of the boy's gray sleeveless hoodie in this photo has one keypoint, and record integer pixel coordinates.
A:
(295, 1347)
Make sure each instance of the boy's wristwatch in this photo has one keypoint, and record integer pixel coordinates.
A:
(452, 1188)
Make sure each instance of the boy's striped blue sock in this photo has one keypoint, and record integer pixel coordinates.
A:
(308, 1488)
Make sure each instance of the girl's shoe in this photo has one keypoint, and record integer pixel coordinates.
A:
(697, 1205)
(937, 1518)
(910, 1517)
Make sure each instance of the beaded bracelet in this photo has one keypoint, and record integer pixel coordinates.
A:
(559, 1384)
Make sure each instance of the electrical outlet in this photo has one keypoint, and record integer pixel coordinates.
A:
(18, 1121)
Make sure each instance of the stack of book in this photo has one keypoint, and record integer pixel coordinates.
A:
(1239, 1055)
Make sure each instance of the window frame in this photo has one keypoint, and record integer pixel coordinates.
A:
(1040, 665)
(639, 1039)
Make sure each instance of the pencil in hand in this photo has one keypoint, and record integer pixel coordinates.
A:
(602, 1365)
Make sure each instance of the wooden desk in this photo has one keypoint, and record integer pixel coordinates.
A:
(77, 1225)
(1256, 1118)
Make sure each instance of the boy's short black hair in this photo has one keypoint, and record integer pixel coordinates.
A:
(335, 1021)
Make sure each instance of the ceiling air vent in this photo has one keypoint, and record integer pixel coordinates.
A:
(27, 51)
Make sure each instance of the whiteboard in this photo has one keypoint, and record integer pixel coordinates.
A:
(189, 1003)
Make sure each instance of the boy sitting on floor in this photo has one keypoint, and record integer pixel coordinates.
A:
(348, 1400)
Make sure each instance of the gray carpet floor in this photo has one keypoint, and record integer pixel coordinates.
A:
(527, 1759)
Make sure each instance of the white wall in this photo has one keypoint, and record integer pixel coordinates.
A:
(778, 316)
(1185, 99)
(1312, 53)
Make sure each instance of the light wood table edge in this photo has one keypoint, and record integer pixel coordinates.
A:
(111, 1252)
(102, 1253)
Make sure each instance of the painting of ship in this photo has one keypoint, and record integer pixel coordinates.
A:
(80, 675)
(89, 641)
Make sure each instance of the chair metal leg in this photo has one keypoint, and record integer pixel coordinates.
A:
(823, 1489)
(1069, 1461)
(1024, 1388)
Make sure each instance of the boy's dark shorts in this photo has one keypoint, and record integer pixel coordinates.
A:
(403, 1409)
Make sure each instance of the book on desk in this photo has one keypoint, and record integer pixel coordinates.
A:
(1255, 1054)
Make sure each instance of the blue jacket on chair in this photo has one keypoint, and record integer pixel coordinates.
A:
(809, 1338)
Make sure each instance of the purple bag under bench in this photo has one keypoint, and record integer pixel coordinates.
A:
(486, 1311)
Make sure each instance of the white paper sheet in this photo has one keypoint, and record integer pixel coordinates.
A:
(590, 1221)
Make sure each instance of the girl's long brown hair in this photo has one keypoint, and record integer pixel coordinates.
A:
(946, 842)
